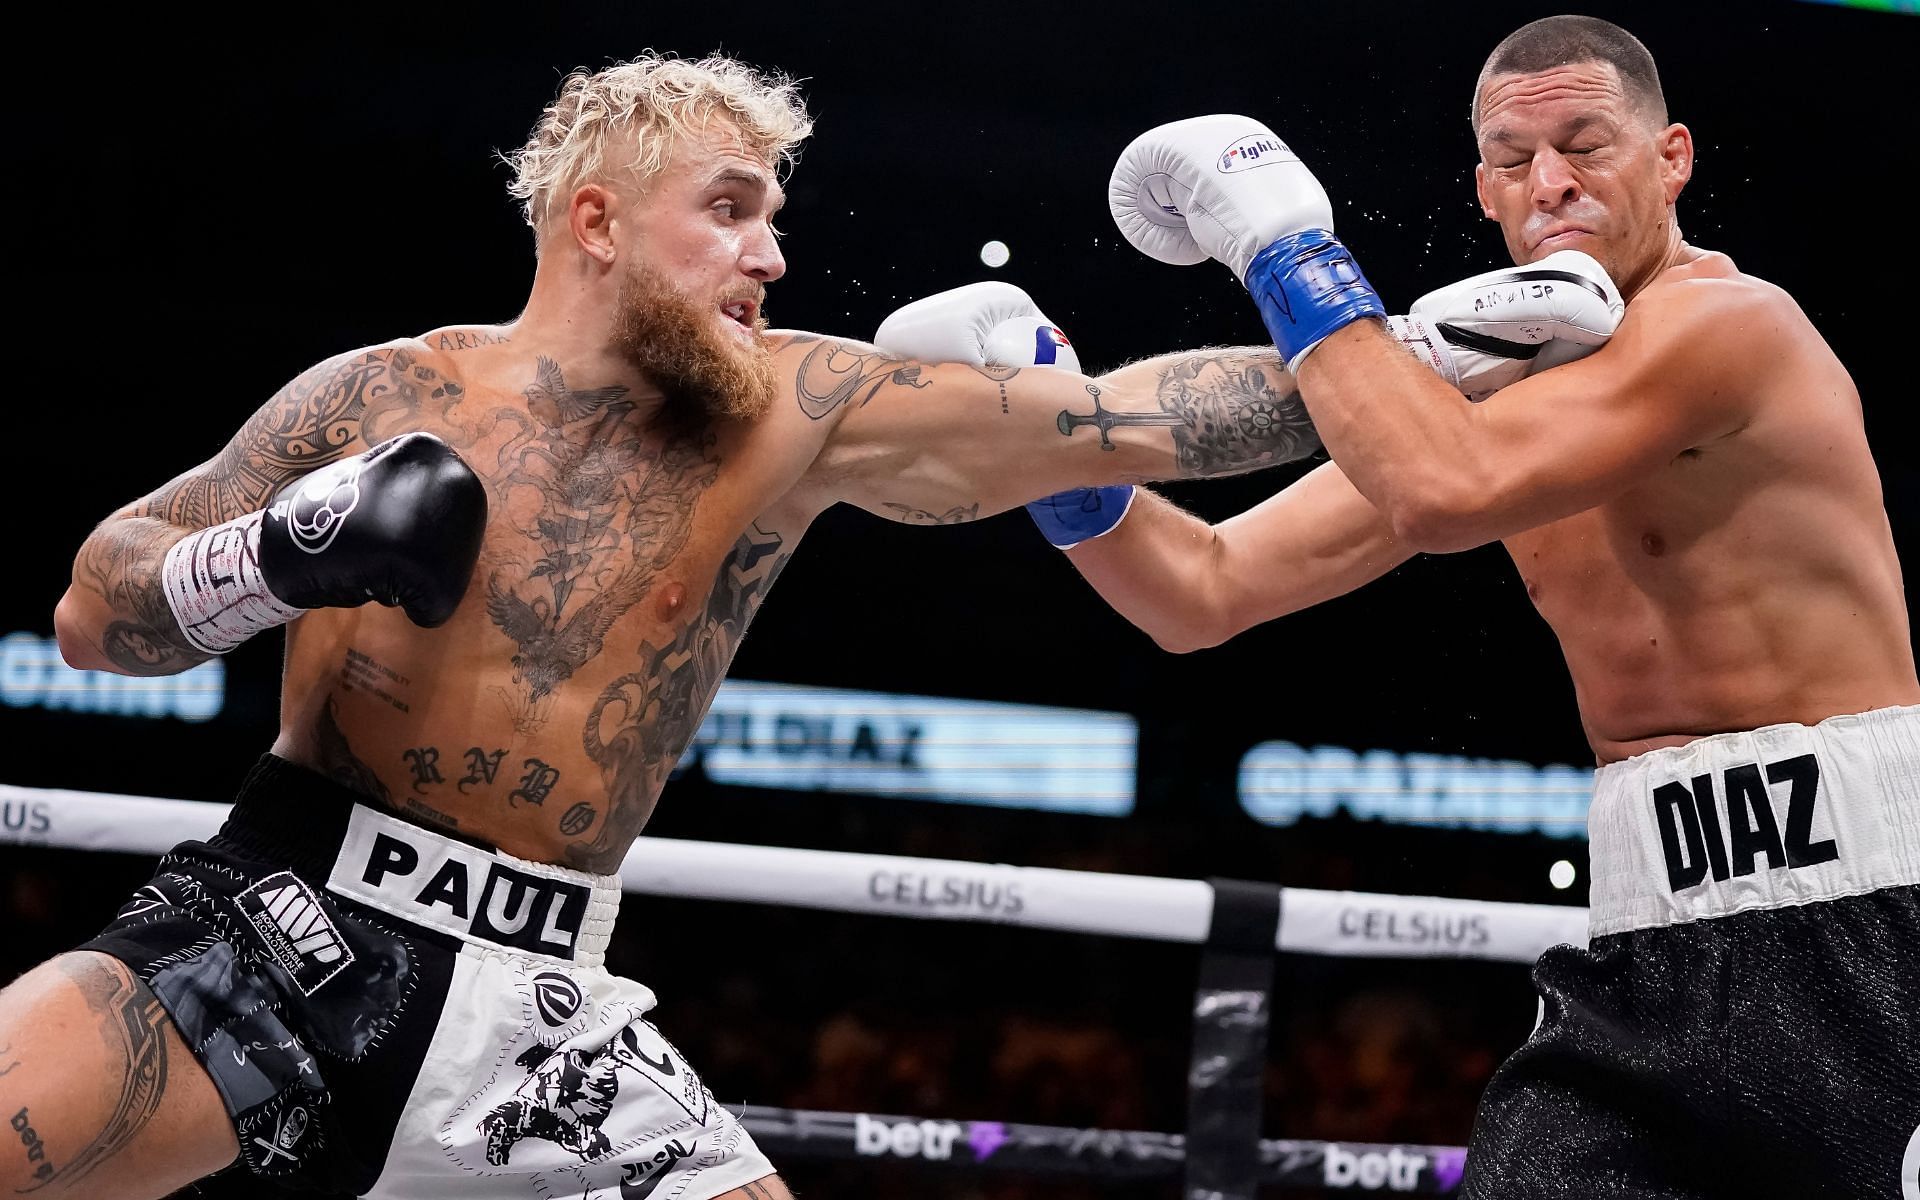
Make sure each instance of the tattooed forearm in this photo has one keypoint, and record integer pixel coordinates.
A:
(133, 1024)
(1238, 410)
(121, 563)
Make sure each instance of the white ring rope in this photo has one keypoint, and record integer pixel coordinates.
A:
(1353, 924)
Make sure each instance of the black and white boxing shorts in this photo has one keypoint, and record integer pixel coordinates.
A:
(1746, 1018)
(392, 1012)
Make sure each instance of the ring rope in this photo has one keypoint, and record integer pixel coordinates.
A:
(1109, 1154)
(1349, 924)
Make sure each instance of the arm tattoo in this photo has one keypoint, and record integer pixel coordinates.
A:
(908, 514)
(122, 564)
(1234, 414)
(834, 373)
(133, 1025)
(311, 422)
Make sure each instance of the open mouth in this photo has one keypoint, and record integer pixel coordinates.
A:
(741, 312)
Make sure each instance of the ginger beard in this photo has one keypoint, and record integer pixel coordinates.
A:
(673, 340)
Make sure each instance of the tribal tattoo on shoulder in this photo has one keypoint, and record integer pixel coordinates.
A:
(371, 395)
(311, 422)
(644, 721)
(1228, 411)
(604, 505)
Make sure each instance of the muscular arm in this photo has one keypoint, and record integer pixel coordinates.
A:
(1191, 585)
(114, 616)
(1682, 370)
(947, 443)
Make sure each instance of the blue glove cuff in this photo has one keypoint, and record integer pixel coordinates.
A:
(1307, 285)
(1068, 518)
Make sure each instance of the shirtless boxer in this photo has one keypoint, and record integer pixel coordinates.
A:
(384, 976)
(1696, 513)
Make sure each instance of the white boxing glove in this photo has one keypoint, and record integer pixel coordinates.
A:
(1500, 326)
(997, 324)
(985, 324)
(1219, 187)
(1226, 187)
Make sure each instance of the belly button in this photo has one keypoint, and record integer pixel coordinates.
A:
(671, 598)
(1654, 544)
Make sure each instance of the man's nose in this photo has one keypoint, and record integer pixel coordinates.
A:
(1552, 180)
(760, 257)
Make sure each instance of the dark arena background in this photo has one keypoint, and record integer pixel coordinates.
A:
(207, 205)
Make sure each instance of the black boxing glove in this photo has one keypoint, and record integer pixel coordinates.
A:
(401, 524)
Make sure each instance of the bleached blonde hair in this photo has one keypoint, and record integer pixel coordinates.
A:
(624, 120)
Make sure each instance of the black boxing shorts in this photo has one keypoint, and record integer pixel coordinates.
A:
(1745, 1020)
(389, 1011)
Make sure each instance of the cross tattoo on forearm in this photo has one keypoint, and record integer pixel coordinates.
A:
(1104, 421)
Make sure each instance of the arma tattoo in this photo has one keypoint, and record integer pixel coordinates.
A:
(645, 720)
(133, 1025)
(610, 505)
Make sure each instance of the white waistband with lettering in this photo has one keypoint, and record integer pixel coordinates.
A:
(476, 895)
(1784, 814)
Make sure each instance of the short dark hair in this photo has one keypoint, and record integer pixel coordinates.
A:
(1559, 41)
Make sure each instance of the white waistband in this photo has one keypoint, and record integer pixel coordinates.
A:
(1784, 814)
(477, 895)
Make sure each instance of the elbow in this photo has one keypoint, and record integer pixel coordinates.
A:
(70, 632)
(1198, 627)
(1435, 521)
(1184, 640)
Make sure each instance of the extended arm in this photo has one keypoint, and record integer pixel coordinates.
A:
(962, 442)
(1190, 585)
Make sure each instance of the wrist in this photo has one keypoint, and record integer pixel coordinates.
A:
(215, 588)
(1080, 514)
(1307, 285)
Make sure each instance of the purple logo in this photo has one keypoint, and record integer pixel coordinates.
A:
(985, 1137)
(1447, 1166)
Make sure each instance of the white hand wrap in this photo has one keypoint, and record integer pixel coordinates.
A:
(213, 585)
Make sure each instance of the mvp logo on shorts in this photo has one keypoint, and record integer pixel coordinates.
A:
(296, 930)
